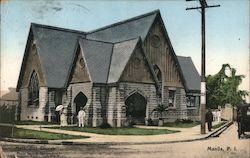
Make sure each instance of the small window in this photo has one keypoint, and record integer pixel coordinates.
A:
(171, 98)
(190, 101)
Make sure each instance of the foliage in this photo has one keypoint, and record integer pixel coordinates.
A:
(182, 123)
(183, 120)
(105, 125)
(119, 131)
(160, 109)
(30, 122)
(150, 122)
(6, 131)
(223, 89)
(7, 114)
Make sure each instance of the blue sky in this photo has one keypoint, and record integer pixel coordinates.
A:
(227, 28)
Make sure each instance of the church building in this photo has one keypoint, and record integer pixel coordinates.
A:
(115, 73)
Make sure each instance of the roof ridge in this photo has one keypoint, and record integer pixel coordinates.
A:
(58, 28)
(100, 41)
(124, 21)
(126, 40)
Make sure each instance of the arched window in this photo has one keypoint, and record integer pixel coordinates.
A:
(34, 90)
(159, 77)
(158, 73)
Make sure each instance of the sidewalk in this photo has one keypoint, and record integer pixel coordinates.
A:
(185, 134)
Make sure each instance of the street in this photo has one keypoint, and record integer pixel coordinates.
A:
(225, 146)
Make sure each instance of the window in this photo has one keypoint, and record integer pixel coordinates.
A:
(171, 98)
(159, 77)
(190, 101)
(33, 90)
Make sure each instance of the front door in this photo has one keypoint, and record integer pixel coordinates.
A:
(136, 108)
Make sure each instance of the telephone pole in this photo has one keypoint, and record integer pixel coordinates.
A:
(202, 7)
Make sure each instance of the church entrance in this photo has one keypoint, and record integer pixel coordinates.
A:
(79, 101)
(136, 108)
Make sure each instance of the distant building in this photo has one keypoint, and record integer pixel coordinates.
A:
(117, 72)
(10, 98)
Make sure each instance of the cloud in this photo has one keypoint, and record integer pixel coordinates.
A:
(82, 7)
(43, 8)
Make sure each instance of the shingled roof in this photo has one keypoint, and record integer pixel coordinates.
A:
(106, 51)
(106, 61)
(191, 75)
(55, 47)
(122, 52)
(127, 29)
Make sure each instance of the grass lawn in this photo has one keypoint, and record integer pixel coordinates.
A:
(32, 134)
(181, 125)
(119, 131)
(218, 125)
(29, 122)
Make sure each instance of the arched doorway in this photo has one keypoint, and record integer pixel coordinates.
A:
(136, 108)
(79, 101)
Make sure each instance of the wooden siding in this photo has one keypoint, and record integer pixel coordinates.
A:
(32, 64)
(159, 54)
(137, 69)
(80, 72)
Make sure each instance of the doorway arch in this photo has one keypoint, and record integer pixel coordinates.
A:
(136, 108)
(79, 101)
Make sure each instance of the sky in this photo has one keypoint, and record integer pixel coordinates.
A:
(227, 28)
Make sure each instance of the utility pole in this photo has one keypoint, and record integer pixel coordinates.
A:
(203, 7)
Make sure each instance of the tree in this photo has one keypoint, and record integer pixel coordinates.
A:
(223, 88)
(161, 108)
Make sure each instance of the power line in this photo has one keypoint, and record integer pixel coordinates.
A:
(203, 6)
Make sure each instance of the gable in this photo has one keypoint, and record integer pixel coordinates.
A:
(32, 63)
(160, 52)
(98, 57)
(137, 69)
(56, 48)
(120, 57)
(79, 72)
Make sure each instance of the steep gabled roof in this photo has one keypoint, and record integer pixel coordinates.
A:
(106, 61)
(106, 50)
(121, 54)
(191, 75)
(97, 56)
(124, 30)
(55, 47)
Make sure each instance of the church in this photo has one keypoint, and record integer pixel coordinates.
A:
(118, 72)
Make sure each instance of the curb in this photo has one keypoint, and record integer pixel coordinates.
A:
(215, 133)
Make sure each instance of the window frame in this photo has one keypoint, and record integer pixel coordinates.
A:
(33, 90)
(173, 98)
(188, 98)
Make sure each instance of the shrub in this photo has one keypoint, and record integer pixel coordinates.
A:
(183, 121)
(7, 114)
(150, 122)
(105, 125)
(6, 131)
